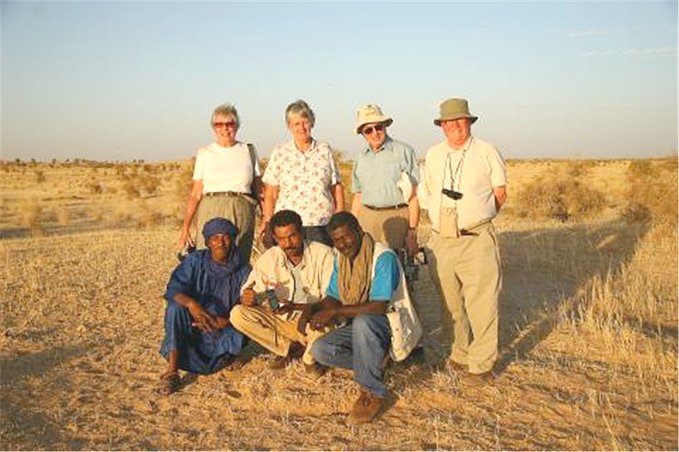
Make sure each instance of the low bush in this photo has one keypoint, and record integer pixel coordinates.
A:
(562, 198)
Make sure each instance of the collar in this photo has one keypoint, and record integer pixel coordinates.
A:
(388, 145)
(286, 263)
(291, 146)
(465, 147)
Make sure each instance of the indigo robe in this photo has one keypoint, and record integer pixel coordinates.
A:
(217, 288)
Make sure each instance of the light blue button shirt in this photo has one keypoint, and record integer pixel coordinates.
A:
(375, 174)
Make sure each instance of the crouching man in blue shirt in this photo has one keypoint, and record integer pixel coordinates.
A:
(365, 276)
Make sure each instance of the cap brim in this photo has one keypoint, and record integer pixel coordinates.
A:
(387, 122)
(472, 119)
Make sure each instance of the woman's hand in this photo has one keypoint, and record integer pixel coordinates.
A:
(185, 238)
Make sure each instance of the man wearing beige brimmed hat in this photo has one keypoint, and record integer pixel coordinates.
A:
(384, 179)
(463, 187)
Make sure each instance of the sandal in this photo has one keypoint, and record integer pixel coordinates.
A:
(169, 383)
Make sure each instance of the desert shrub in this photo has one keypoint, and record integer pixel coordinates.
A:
(578, 168)
(149, 183)
(184, 182)
(32, 217)
(562, 198)
(95, 187)
(131, 190)
(651, 192)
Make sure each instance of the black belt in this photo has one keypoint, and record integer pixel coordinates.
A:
(226, 193)
(399, 206)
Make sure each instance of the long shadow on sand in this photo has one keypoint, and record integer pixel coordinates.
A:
(544, 268)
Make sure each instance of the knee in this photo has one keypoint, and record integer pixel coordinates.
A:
(175, 312)
(236, 316)
(369, 325)
(321, 351)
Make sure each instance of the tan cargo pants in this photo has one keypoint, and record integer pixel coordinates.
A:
(387, 226)
(467, 273)
(274, 332)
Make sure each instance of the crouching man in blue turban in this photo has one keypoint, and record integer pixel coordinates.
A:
(201, 292)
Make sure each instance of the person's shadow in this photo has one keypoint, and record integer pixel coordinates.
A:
(542, 271)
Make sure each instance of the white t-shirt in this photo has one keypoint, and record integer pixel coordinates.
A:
(225, 169)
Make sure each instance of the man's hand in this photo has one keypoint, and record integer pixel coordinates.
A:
(411, 242)
(285, 308)
(201, 319)
(248, 298)
(222, 322)
(307, 312)
(323, 318)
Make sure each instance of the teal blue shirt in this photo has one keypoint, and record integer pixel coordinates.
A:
(375, 174)
(384, 282)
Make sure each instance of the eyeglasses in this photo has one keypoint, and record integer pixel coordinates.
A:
(369, 130)
(229, 124)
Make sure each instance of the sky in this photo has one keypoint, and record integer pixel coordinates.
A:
(120, 81)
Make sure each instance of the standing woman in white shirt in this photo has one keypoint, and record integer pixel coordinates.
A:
(226, 183)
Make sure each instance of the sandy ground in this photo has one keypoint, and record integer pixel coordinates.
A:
(82, 324)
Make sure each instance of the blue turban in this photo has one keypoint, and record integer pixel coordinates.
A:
(219, 226)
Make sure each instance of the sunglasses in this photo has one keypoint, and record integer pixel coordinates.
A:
(229, 124)
(369, 130)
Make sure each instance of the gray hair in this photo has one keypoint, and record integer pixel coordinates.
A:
(224, 110)
(301, 108)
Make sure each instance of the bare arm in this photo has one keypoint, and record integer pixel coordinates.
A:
(268, 206)
(201, 318)
(413, 221)
(338, 196)
(356, 204)
(500, 194)
(191, 206)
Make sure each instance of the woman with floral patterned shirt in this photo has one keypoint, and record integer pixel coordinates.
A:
(302, 176)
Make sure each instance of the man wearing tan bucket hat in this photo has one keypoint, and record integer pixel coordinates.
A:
(463, 187)
(384, 179)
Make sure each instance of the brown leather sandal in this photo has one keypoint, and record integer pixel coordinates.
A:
(169, 383)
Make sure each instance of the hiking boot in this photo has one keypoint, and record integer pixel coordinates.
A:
(365, 408)
(280, 362)
(478, 380)
(315, 370)
(457, 367)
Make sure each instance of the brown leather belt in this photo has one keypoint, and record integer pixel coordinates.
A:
(226, 193)
(399, 206)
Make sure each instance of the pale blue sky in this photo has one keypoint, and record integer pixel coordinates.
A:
(138, 80)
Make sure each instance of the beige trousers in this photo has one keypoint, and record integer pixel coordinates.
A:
(467, 272)
(237, 210)
(274, 332)
(386, 226)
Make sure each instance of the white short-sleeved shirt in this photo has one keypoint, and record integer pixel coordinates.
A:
(304, 180)
(225, 169)
(475, 170)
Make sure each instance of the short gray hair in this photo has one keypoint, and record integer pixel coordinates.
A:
(226, 109)
(301, 108)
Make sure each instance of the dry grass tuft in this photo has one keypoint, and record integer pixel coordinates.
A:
(652, 192)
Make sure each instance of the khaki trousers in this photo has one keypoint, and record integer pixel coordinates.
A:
(274, 332)
(386, 226)
(237, 210)
(467, 272)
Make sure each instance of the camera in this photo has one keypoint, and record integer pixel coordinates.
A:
(451, 193)
(272, 298)
(185, 252)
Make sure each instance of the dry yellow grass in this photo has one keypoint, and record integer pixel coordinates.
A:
(588, 340)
